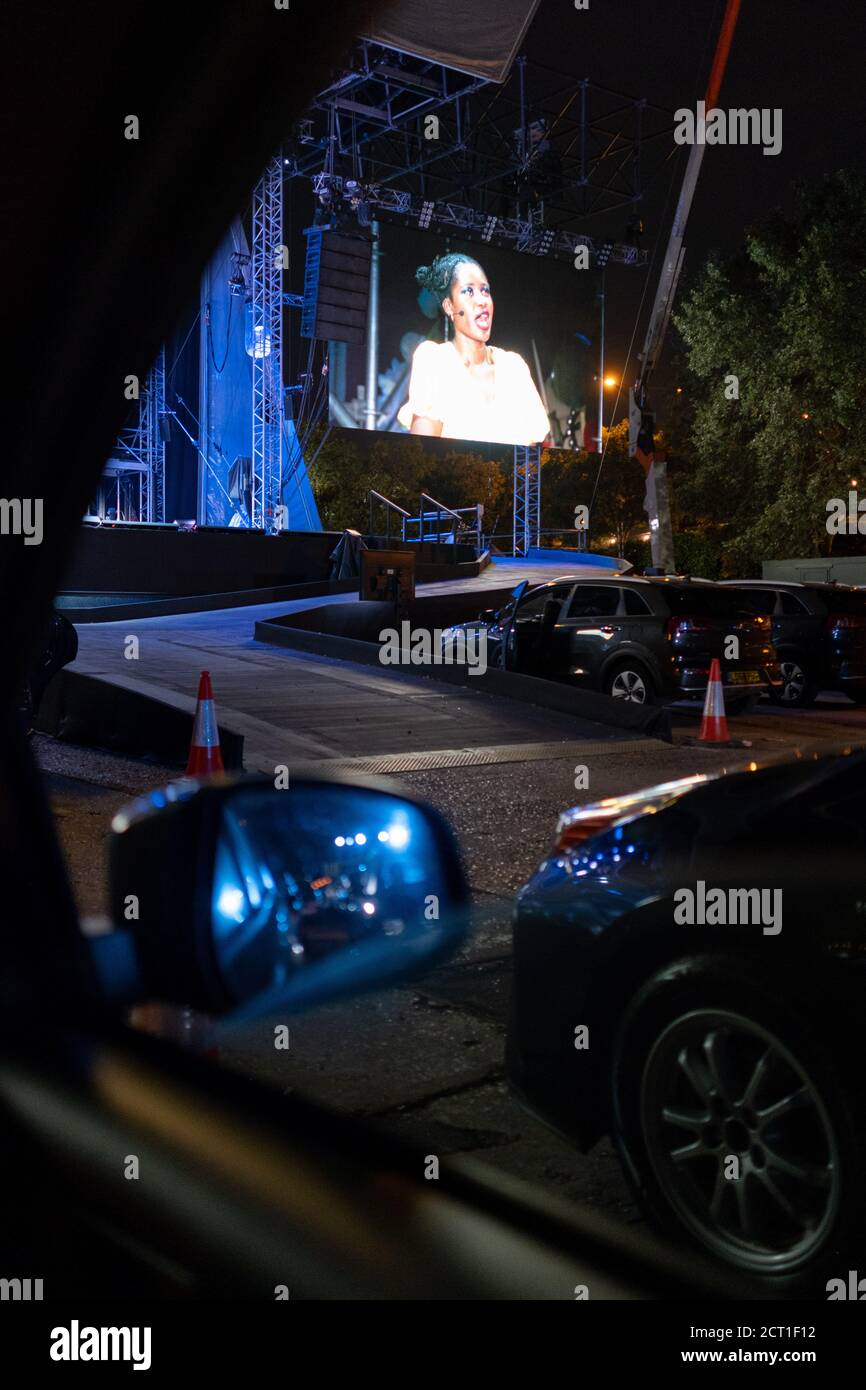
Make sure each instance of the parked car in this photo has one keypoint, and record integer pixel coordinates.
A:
(708, 1040)
(819, 632)
(632, 638)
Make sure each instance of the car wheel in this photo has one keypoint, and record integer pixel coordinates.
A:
(732, 1125)
(629, 681)
(798, 688)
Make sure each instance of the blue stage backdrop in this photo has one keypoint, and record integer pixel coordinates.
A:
(225, 402)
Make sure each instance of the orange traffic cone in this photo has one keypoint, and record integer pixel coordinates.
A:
(714, 725)
(204, 752)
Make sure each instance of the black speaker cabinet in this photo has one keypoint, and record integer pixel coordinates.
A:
(336, 285)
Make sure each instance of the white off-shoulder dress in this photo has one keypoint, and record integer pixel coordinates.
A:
(442, 388)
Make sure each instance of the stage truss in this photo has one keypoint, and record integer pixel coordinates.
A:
(523, 163)
(132, 487)
(266, 276)
(527, 498)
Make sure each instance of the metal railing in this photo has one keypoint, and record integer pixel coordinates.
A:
(460, 528)
(571, 539)
(372, 498)
(435, 522)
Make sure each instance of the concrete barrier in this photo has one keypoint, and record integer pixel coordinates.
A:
(350, 632)
(100, 713)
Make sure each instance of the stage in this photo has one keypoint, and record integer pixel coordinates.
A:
(122, 571)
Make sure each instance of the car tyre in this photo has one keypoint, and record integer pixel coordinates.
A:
(710, 1064)
(799, 688)
(629, 680)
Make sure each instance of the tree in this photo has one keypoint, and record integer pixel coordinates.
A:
(775, 341)
(619, 498)
(401, 468)
(613, 494)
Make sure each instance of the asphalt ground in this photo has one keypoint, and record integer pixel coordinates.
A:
(426, 1060)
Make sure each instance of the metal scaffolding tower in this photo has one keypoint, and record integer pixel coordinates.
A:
(133, 481)
(155, 442)
(520, 163)
(266, 346)
(527, 497)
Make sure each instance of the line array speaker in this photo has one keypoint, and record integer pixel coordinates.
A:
(336, 285)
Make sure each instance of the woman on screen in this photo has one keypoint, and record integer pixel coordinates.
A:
(465, 388)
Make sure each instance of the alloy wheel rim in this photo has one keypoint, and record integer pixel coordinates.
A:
(628, 685)
(715, 1086)
(793, 680)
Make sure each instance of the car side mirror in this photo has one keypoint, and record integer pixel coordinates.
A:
(234, 895)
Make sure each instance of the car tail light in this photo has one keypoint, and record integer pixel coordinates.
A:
(583, 823)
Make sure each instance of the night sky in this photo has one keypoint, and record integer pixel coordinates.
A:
(807, 57)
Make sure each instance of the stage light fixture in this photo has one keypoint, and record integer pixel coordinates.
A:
(426, 215)
(603, 254)
(489, 228)
(324, 188)
(546, 241)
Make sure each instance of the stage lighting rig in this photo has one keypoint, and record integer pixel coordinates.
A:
(237, 279)
(358, 197)
(326, 186)
(425, 216)
(603, 254)
(489, 228)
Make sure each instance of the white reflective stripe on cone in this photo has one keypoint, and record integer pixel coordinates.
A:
(205, 733)
(715, 699)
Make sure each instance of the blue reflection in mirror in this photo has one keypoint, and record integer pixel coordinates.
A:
(303, 873)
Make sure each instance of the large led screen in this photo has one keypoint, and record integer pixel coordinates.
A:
(474, 342)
